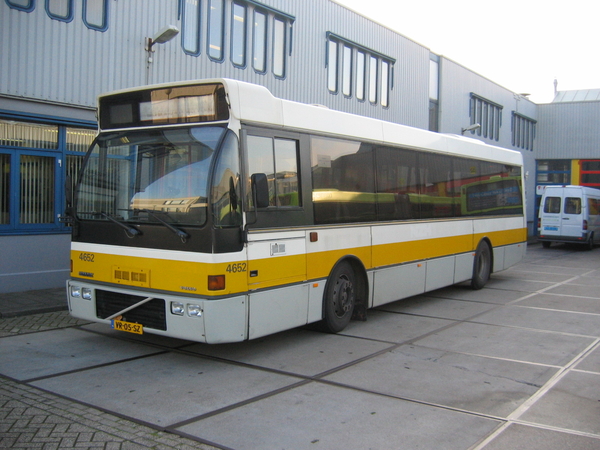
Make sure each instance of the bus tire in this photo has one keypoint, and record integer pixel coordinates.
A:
(590, 243)
(546, 244)
(340, 298)
(482, 266)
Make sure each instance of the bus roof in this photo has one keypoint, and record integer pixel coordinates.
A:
(255, 104)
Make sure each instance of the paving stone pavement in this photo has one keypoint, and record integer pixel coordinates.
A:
(37, 322)
(31, 418)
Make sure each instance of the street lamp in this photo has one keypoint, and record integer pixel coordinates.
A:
(473, 127)
(164, 35)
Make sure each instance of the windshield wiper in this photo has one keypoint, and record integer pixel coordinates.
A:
(182, 234)
(131, 230)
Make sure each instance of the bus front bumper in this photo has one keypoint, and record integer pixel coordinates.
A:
(192, 318)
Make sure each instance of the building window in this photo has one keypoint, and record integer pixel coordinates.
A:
(95, 14)
(360, 75)
(5, 188)
(488, 114)
(216, 18)
(279, 47)
(434, 101)
(77, 143)
(385, 83)
(238, 35)
(554, 171)
(28, 135)
(37, 181)
(373, 79)
(359, 71)
(259, 42)
(60, 10)
(347, 71)
(332, 74)
(32, 173)
(22, 5)
(590, 173)
(190, 36)
(269, 30)
(523, 131)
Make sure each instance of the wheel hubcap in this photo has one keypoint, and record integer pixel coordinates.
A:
(343, 296)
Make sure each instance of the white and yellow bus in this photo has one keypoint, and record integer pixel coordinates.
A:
(213, 211)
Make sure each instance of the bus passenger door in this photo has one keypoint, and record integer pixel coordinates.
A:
(276, 259)
(276, 244)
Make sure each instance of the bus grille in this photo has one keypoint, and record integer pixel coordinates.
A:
(150, 314)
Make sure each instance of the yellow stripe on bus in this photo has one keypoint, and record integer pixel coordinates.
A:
(241, 276)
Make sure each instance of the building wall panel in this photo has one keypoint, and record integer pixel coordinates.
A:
(569, 130)
(68, 63)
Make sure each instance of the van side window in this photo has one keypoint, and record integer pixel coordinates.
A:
(593, 206)
(572, 205)
(552, 205)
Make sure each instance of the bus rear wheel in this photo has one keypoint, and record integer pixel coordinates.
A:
(340, 298)
(482, 266)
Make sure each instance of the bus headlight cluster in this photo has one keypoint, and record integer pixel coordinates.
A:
(79, 292)
(178, 309)
(194, 310)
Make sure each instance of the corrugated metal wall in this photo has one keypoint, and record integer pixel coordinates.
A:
(456, 84)
(68, 63)
(569, 131)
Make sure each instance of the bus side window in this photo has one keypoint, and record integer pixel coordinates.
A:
(397, 177)
(286, 172)
(277, 158)
(343, 181)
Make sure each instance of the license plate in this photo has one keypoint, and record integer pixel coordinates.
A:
(551, 228)
(128, 327)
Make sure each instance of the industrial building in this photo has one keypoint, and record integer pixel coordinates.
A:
(58, 55)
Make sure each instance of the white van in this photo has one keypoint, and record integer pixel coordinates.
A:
(569, 214)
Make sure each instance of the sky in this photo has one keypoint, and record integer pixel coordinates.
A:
(523, 45)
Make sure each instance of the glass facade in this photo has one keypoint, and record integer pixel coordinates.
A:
(31, 173)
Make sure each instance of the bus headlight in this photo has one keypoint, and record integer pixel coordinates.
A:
(194, 310)
(177, 308)
(75, 291)
(86, 293)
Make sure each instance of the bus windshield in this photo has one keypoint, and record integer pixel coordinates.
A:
(149, 176)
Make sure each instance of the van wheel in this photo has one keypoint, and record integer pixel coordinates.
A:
(546, 244)
(482, 266)
(339, 299)
(591, 242)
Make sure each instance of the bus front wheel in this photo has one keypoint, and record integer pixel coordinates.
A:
(340, 298)
(482, 266)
